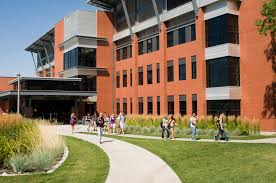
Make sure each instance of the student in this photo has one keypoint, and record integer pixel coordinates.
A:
(72, 121)
(94, 120)
(122, 120)
(100, 126)
(172, 126)
(112, 123)
(221, 130)
(165, 127)
(106, 122)
(88, 120)
(193, 126)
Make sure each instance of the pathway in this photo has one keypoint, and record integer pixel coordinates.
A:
(128, 163)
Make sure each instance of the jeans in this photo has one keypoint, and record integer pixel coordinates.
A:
(100, 133)
(222, 133)
(163, 132)
(193, 133)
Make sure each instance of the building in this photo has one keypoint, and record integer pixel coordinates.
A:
(165, 56)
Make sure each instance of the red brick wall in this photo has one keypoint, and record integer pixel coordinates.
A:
(4, 85)
(164, 88)
(58, 55)
(104, 60)
(256, 70)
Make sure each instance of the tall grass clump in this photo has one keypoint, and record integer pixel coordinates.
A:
(239, 126)
(17, 136)
(38, 145)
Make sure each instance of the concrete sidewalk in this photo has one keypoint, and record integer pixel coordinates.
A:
(128, 163)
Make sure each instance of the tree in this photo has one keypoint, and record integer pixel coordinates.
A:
(268, 24)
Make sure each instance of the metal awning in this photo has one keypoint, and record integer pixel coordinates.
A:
(39, 43)
(14, 81)
(83, 37)
(49, 93)
(104, 4)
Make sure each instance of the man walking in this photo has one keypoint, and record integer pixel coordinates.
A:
(122, 120)
(193, 126)
(165, 127)
(221, 125)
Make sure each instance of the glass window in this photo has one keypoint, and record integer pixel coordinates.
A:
(141, 105)
(124, 105)
(170, 39)
(182, 35)
(124, 78)
(118, 106)
(124, 53)
(171, 4)
(130, 105)
(130, 77)
(223, 71)
(193, 29)
(150, 107)
(170, 71)
(182, 105)
(221, 30)
(118, 79)
(229, 107)
(171, 104)
(194, 103)
(149, 74)
(194, 67)
(118, 55)
(157, 73)
(140, 75)
(182, 69)
(158, 105)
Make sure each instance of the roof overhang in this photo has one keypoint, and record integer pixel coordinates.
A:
(14, 81)
(49, 93)
(104, 4)
(39, 45)
(81, 71)
(82, 37)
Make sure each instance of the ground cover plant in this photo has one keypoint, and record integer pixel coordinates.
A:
(85, 163)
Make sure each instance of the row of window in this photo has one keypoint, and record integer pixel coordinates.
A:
(149, 101)
(124, 53)
(170, 73)
(181, 35)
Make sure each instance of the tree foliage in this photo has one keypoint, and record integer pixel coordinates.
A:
(268, 24)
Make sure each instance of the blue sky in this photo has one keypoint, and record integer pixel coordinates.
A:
(24, 21)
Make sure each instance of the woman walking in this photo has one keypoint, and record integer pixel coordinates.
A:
(72, 121)
(112, 124)
(172, 126)
(100, 126)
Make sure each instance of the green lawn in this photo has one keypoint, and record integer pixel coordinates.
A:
(201, 162)
(85, 163)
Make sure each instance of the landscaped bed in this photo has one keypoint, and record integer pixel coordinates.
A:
(214, 162)
(85, 163)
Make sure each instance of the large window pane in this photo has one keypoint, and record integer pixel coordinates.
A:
(223, 71)
(194, 69)
(170, 104)
(141, 105)
(125, 106)
(170, 71)
(118, 79)
(149, 74)
(182, 69)
(124, 78)
(158, 105)
(229, 107)
(157, 73)
(182, 105)
(140, 76)
(150, 106)
(194, 103)
(171, 4)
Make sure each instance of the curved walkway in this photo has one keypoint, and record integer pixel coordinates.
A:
(129, 163)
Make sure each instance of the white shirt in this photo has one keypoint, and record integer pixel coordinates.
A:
(192, 122)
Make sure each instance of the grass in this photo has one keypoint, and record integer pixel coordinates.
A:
(203, 162)
(85, 163)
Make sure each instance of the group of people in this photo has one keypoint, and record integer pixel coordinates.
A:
(100, 122)
(168, 126)
(104, 121)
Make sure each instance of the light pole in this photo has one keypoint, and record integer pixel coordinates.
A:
(18, 93)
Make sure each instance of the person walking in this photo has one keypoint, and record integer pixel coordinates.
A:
(88, 121)
(122, 120)
(165, 127)
(193, 126)
(221, 130)
(94, 120)
(112, 124)
(172, 124)
(73, 121)
(100, 126)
